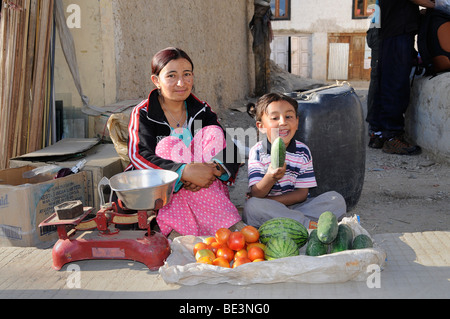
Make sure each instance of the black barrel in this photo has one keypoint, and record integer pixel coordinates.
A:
(331, 124)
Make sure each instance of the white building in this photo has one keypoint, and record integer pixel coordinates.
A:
(322, 39)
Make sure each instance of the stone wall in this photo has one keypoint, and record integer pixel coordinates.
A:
(428, 116)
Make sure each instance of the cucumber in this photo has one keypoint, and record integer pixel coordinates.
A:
(362, 241)
(327, 227)
(278, 153)
(315, 247)
(343, 239)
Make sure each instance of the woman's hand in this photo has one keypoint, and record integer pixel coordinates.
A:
(191, 187)
(199, 175)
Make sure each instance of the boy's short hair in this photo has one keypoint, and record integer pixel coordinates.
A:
(258, 110)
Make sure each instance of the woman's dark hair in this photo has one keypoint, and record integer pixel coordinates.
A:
(258, 110)
(163, 57)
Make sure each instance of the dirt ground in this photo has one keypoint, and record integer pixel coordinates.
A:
(400, 193)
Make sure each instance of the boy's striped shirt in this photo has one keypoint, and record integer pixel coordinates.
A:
(299, 170)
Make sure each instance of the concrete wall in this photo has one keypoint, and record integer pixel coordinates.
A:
(322, 16)
(118, 38)
(94, 45)
(318, 18)
(428, 116)
(215, 35)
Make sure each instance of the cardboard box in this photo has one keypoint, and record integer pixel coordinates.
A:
(101, 161)
(25, 203)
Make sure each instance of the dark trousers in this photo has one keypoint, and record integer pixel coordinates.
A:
(373, 41)
(392, 98)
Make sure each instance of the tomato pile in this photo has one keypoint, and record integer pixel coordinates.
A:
(230, 249)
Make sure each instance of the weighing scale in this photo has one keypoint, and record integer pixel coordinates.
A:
(83, 236)
(98, 238)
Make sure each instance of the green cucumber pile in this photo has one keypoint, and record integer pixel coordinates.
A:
(284, 237)
(329, 237)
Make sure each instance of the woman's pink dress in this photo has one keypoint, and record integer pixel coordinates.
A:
(199, 213)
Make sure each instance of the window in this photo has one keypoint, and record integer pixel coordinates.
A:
(281, 9)
(361, 8)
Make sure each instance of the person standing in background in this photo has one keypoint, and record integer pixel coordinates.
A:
(399, 26)
(373, 41)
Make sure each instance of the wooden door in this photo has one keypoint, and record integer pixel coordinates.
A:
(357, 53)
(301, 56)
(280, 51)
(357, 45)
(338, 61)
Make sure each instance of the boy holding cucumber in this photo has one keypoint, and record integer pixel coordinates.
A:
(283, 191)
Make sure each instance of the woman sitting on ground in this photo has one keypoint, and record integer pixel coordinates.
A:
(174, 130)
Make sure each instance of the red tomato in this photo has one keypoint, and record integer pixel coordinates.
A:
(260, 245)
(226, 253)
(222, 235)
(241, 253)
(236, 241)
(255, 253)
(210, 240)
(205, 260)
(250, 233)
(215, 246)
(258, 260)
(205, 253)
(200, 246)
(241, 261)
(221, 262)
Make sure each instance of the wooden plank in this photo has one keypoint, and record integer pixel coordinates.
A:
(26, 116)
(4, 87)
(18, 45)
(9, 75)
(36, 123)
(17, 60)
(18, 138)
(40, 73)
(21, 138)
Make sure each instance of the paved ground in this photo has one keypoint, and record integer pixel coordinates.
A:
(418, 266)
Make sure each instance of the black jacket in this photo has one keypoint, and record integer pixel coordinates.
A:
(148, 125)
(398, 17)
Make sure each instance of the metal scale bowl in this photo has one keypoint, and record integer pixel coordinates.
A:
(141, 192)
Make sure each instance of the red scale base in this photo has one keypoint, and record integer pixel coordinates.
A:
(99, 239)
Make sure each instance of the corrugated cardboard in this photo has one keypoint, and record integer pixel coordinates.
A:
(25, 203)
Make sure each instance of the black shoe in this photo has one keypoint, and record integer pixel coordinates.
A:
(376, 140)
(398, 145)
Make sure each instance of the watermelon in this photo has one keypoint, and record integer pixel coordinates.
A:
(362, 241)
(278, 153)
(315, 247)
(343, 239)
(280, 247)
(283, 227)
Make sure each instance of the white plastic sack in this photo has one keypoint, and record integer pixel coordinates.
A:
(180, 267)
